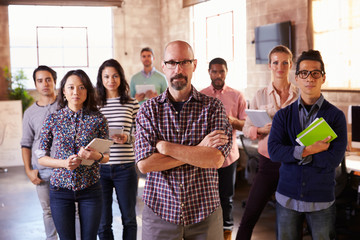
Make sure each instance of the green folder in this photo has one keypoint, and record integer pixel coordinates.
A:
(318, 130)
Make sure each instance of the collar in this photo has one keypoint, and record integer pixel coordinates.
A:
(72, 114)
(149, 74)
(164, 97)
(270, 88)
(214, 90)
(292, 90)
(318, 102)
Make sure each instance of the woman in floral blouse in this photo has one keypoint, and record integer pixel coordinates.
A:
(70, 129)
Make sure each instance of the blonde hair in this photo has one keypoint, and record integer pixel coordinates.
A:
(281, 49)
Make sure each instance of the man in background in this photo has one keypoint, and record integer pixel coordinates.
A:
(45, 83)
(149, 82)
(235, 106)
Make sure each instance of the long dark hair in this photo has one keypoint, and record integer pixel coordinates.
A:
(123, 89)
(90, 102)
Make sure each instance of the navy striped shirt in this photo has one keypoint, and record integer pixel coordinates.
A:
(186, 194)
(121, 115)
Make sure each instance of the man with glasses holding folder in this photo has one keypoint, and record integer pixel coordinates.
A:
(307, 173)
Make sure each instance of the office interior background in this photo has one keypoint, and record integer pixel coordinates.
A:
(119, 29)
(71, 34)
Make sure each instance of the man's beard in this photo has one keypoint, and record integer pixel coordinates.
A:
(218, 83)
(179, 85)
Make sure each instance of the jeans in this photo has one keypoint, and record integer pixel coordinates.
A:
(43, 190)
(62, 203)
(227, 179)
(290, 223)
(124, 179)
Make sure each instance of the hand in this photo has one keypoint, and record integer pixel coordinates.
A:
(140, 96)
(161, 146)
(263, 131)
(317, 147)
(232, 119)
(120, 138)
(72, 162)
(150, 94)
(33, 175)
(214, 139)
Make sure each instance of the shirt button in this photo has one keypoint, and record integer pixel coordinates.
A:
(178, 130)
(177, 112)
(301, 195)
(303, 183)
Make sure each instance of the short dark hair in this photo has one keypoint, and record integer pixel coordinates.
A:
(123, 89)
(281, 49)
(147, 49)
(220, 61)
(313, 55)
(44, 68)
(90, 102)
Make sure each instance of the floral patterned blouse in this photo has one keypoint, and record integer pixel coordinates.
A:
(69, 131)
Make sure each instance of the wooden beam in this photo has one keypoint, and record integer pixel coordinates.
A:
(94, 3)
(188, 3)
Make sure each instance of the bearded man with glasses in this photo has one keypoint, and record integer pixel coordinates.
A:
(307, 174)
(182, 138)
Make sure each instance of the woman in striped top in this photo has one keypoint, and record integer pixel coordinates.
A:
(119, 173)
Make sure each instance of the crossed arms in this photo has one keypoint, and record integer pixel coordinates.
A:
(171, 155)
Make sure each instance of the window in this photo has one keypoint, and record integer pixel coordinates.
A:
(62, 46)
(220, 36)
(219, 30)
(64, 38)
(337, 36)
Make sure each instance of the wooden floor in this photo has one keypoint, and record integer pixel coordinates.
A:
(21, 217)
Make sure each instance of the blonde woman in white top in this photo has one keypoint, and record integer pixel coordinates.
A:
(278, 94)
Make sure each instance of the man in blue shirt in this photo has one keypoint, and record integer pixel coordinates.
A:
(307, 173)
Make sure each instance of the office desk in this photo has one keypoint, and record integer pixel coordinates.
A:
(352, 162)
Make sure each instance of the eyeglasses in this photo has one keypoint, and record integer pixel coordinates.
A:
(184, 64)
(316, 74)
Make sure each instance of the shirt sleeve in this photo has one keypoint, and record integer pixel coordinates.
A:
(249, 130)
(46, 138)
(28, 132)
(146, 137)
(241, 107)
(219, 121)
(131, 137)
(298, 151)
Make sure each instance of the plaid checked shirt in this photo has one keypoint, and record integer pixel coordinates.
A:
(186, 194)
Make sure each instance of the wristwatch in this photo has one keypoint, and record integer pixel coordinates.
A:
(101, 158)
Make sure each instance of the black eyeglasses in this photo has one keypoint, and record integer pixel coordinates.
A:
(304, 74)
(184, 64)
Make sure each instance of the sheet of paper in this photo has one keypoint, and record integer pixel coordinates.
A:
(258, 117)
(144, 88)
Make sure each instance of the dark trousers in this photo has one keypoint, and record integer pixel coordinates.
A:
(262, 189)
(227, 179)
